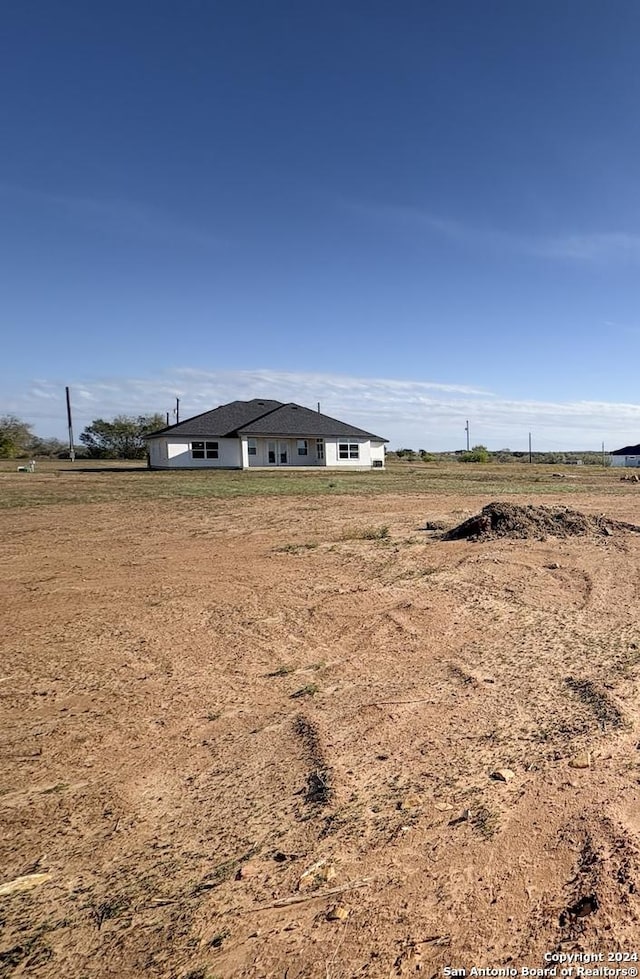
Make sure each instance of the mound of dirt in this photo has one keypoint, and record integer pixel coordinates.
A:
(534, 522)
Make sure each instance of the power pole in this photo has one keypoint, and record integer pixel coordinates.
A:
(530, 459)
(177, 410)
(72, 451)
(466, 428)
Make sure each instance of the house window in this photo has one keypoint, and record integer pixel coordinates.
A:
(252, 447)
(348, 450)
(303, 447)
(204, 450)
(320, 448)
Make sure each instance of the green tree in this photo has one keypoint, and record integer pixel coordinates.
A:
(46, 446)
(478, 453)
(15, 437)
(503, 455)
(121, 438)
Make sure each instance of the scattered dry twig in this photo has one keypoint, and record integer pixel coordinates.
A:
(328, 966)
(396, 703)
(431, 940)
(284, 902)
(157, 902)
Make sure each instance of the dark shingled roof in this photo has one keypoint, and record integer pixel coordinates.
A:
(629, 450)
(294, 420)
(261, 417)
(222, 422)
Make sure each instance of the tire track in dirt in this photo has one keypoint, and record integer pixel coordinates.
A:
(197, 777)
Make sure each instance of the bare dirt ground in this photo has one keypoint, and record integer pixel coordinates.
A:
(238, 739)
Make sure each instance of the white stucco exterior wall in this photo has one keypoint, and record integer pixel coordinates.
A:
(366, 453)
(166, 452)
(155, 449)
(175, 453)
(631, 461)
(377, 453)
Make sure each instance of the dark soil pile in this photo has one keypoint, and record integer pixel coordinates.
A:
(534, 522)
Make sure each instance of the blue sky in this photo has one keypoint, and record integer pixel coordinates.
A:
(413, 212)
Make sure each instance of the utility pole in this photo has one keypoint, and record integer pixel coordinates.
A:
(177, 410)
(530, 459)
(466, 428)
(72, 451)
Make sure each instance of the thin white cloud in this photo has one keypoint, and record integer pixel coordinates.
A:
(591, 247)
(422, 414)
(116, 216)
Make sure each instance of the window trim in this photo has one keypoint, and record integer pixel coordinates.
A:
(204, 449)
(348, 451)
(252, 447)
(302, 447)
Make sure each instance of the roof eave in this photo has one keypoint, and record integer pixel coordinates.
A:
(309, 435)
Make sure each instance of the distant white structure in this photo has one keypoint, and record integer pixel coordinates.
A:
(628, 456)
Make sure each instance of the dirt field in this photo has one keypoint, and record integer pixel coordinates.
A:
(254, 735)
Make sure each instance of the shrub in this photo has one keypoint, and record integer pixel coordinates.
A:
(365, 533)
(479, 453)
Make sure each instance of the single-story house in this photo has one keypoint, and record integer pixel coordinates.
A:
(244, 434)
(628, 456)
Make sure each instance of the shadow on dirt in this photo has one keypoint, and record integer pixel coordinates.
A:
(122, 470)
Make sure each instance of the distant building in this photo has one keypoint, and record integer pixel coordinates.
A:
(628, 456)
(247, 434)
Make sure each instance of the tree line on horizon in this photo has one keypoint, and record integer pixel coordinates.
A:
(481, 454)
(123, 437)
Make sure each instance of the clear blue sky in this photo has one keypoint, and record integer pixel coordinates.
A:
(385, 206)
